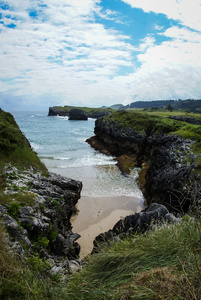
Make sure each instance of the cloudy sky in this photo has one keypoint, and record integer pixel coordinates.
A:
(98, 52)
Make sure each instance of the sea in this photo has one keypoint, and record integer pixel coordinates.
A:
(61, 145)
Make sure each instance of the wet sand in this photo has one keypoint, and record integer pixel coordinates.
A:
(99, 214)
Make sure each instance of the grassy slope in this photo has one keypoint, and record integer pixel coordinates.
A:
(166, 264)
(14, 147)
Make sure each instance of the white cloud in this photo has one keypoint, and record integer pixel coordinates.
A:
(67, 54)
(171, 69)
(186, 11)
(64, 52)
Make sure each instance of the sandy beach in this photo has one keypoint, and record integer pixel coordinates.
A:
(99, 214)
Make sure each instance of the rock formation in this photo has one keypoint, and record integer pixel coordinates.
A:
(155, 214)
(93, 113)
(55, 111)
(77, 114)
(167, 175)
(41, 225)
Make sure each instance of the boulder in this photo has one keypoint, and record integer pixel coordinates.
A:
(77, 114)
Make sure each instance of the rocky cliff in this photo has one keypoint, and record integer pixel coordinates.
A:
(167, 163)
(36, 206)
(94, 113)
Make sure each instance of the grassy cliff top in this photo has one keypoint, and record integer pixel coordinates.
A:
(14, 147)
(88, 110)
(158, 122)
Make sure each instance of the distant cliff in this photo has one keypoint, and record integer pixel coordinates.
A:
(94, 113)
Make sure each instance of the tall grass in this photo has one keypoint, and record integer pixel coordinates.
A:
(164, 264)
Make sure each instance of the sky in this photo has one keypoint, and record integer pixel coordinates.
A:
(98, 52)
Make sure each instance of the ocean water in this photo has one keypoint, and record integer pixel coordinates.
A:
(61, 146)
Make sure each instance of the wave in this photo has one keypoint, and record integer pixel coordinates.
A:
(96, 160)
(47, 157)
(63, 158)
(35, 147)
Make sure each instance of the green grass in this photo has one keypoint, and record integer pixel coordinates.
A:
(150, 122)
(135, 267)
(26, 279)
(14, 147)
(164, 264)
(88, 110)
(141, 121)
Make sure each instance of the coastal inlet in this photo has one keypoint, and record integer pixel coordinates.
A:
(107, 195)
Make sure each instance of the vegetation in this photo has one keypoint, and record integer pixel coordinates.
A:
(151, 121)
(188, 105)
(14, 147)
(88, 110)
(27, 280)
(164, 264)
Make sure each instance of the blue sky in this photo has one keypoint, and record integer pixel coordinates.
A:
(94, 53)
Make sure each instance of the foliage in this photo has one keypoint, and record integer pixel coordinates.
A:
(14, 209)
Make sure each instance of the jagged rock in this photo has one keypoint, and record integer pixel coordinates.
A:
(74, 266)
(77, 114)
(3, 210)
(18, 234)
(17, 248)
(11, 225)
(26, 211)
(45, 226)
(167, 176)
(137, 223)
(66, 246)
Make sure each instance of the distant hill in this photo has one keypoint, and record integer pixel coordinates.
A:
(188, 105)
(117, 106)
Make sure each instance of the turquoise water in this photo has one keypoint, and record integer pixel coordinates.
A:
(61, 145)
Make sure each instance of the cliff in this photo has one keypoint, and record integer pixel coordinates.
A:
(167, 162)
(35, 209)
(94, 113)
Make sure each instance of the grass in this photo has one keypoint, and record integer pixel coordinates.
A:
(150, 122)
(88, 110)
(15, 148)
(19, 280)
(135, 268)
(163, 264)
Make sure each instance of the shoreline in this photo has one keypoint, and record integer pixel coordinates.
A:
(99, 214)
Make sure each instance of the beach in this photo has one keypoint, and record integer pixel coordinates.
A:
(99, 214)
